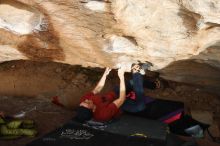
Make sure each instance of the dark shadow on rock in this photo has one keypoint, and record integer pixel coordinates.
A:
(43, 45)
(190, 20)
(192, 72)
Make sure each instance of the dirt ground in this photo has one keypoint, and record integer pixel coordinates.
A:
(27, 85)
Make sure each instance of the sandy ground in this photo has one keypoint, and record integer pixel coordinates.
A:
(26, 85)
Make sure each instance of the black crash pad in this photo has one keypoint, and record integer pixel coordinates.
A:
(132, 125)
(73, 134)
(126, 131)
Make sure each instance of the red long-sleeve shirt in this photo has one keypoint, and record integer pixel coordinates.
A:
(105, 108)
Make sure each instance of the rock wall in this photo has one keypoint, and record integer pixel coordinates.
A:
(113, 33)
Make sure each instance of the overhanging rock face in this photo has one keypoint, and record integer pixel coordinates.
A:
(114, 32)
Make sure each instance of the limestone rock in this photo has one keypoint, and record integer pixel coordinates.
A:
(202, 116)
(100, 33)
